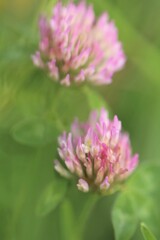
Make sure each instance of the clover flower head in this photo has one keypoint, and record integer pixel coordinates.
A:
(97, 152)
(76, 47)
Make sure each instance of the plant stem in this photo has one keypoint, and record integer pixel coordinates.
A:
(85, 214)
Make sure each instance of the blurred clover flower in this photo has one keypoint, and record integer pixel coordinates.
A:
(75, 46)
(97, 152)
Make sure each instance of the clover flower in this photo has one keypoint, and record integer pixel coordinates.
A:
(76, 47)
(96, 152)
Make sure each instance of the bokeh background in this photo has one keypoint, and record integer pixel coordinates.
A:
(28, 135)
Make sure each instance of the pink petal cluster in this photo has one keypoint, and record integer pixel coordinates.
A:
(75, 46)
(97, 152)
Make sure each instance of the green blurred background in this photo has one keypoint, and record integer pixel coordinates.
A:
(27, 99)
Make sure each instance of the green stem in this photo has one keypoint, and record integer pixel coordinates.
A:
(51, 102)
(85, 214)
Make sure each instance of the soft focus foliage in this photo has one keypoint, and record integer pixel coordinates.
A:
(139, 202)
(27, 149)
(147, 234)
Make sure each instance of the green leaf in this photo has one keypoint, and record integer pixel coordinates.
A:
(146, 232)
(51, 197)
(34, 132)
(139, 201)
